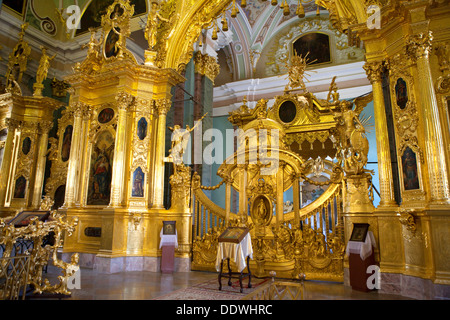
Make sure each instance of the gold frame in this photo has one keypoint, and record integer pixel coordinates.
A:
(331, 43)
(279, 102)
(253, 202)
(416, 194)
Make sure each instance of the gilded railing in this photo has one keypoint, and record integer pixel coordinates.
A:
(323, 215)
(206, 214)
(315, 247)
(37, 256)
(14, 274)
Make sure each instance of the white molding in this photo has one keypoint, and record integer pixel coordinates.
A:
(351, 80)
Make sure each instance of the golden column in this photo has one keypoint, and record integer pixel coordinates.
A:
(124, 100)
(280, 193)
(162, 106)
(228, 184)
(419, 48)
(84, 158)
(296, 200)
(6, 176)
(243, 207)
(374, 74)
(43, 128)
(75, 155)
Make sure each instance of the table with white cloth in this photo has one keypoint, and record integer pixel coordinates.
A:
(168, 239)
(361, 256)
(240, 253)
(168, 244)
(364, 249)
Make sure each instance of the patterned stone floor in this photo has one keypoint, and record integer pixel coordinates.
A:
(149, 285)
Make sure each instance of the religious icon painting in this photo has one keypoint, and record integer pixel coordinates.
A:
(316, 46)
(169, 227)
(101, 170)
(137, 189)
(106, 115)
(20, 188)
(401, 93)
(26, 145)
(142, 128)
(410, 170)
(287, 111)
(67, 141)
(111, 49)
(359, 232)
(261, 211)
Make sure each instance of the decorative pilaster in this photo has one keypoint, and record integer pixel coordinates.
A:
(162, 106)
(124, 100)
(296, 200)
(228, 182)
(84, 158)
(374, 74)
(419, 48)
(44, 127)
(243, 191)
(75, 154)
(6, 172)
(280, 199)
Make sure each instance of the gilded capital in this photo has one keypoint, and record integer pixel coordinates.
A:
(77, 108)
(124, 99)
(13, 124)
(45, 126)
(374, 71)
(419, 45)
(206, 66)
(162, 106)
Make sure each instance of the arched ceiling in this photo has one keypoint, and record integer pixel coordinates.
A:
(251, 33)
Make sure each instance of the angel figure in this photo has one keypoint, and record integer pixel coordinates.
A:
(52, 152)
(180, 140)
(353, 142)
(44, 65)
(92, 45)
(152, 24)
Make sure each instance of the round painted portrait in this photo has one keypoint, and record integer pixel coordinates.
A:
(106, 115)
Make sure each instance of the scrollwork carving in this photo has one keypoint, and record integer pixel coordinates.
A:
(419, 45)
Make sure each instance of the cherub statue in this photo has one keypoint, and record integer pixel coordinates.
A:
(92, 45)
(152, 24)
(52, 152)
(44, 65)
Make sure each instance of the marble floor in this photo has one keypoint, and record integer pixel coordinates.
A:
(150, 285)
